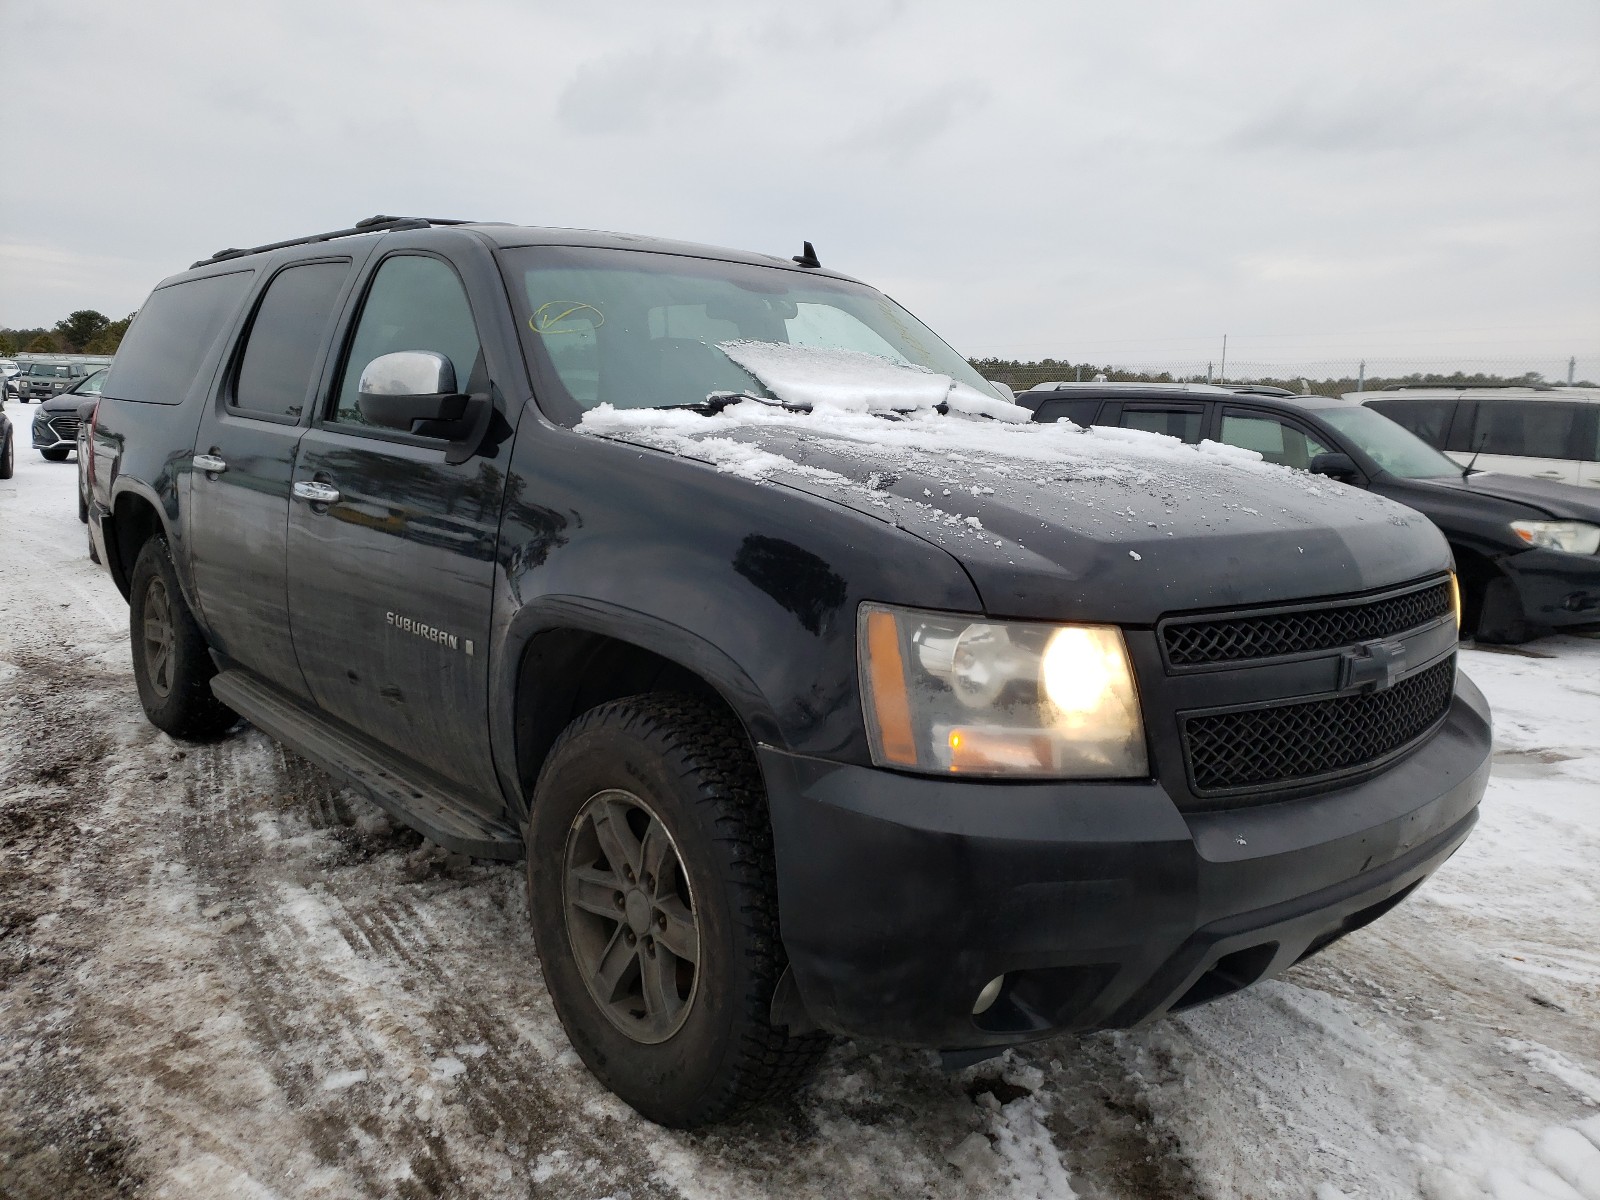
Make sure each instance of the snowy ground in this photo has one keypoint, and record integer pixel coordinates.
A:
(222, 976)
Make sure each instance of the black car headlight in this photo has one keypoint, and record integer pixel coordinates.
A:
(945, 693)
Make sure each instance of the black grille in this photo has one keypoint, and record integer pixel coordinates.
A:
(65, 428)
(1275, 747)
(1237, 639)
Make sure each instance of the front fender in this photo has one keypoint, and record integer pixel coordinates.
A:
(752, 586)
(660, 637)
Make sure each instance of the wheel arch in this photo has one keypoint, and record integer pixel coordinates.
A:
(135, 517)
(1475, 569)
(567, 656)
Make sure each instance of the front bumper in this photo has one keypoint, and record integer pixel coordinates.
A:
(1102, 904)
(1556, 589)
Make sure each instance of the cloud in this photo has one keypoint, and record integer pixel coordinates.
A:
(630, 92)
(1029, 177)
(907, 128)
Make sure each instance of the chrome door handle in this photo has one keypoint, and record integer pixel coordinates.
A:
(317, 493)
(210, 464)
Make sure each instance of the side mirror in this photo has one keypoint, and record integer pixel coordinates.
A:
(409, 386)
(1336, 466)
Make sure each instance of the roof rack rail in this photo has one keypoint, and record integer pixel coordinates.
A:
(1445, 385)
(378, 224)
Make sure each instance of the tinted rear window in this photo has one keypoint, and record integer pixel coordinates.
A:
(1079, 412)
(1183, 424)
(171, 336)
(1428, 419)
(1529, 428)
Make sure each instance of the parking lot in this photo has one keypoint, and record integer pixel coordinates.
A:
(222, 975)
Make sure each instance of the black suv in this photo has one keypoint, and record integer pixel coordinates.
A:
(1527, 550)
(821, 690)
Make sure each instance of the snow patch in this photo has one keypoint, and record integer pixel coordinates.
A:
(853, 381)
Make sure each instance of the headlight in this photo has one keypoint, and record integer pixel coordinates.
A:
(946, 693)
(1455, 601)
(1575, 537)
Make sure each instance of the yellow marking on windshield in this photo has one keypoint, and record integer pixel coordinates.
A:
(545, 320)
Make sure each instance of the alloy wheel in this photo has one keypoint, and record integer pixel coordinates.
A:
(631, 917)
(158, 638)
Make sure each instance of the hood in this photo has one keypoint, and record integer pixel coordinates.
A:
(1564, 501)
(63, 402)
(1053, 521)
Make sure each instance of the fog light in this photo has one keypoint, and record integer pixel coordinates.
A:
(987, 997)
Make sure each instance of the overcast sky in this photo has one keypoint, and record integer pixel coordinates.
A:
(1119, 182)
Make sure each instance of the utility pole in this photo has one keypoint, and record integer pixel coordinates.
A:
(1222, 371)
(1208, 373)
(1572, 367)
(1361, 377)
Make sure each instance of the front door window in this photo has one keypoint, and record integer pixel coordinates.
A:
(415, 303)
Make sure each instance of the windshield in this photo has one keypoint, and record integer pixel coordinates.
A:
(1394, 448)
(645, 330)
(43, 368)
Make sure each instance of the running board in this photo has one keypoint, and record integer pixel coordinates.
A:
(433, 812)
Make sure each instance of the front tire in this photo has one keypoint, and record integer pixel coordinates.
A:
(8, 460)
(55, 454)
(654, 907)
(171, 664)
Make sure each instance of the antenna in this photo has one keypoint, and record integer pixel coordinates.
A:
(807, 257)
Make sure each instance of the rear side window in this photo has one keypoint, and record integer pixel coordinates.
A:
(171, 337)
(1276, 441)
(286, 339)
(1183, 424)
(1428, 419)
(1079, 412)
(1528, 428)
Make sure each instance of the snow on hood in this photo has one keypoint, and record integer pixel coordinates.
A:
(817, 378)
(1127, 523)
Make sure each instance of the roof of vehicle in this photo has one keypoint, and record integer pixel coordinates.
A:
(1033, 397)
(1480, 392)
(506, 236)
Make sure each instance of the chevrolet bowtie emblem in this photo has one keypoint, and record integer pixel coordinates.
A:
(1372, 666)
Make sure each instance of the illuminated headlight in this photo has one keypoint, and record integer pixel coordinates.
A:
(946, 693)
(1575, 537)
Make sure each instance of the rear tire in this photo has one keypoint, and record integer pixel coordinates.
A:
(671, 781)
(8, 461)
(55, 454)
(171, 663)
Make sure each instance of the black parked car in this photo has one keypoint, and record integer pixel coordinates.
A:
(55, 425)
(1527, 550)
(820, 689)
(8, 451)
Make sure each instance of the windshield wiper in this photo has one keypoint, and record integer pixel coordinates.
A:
(715, 402)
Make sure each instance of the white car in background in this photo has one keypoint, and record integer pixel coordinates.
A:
(1542, 432)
